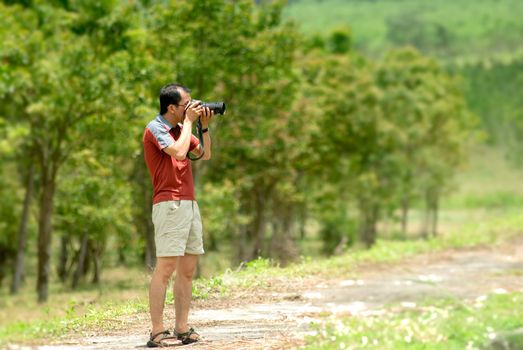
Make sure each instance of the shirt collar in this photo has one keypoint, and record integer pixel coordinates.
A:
(162, 119)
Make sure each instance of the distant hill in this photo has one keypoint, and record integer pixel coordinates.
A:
(480, 40)
(452, 30)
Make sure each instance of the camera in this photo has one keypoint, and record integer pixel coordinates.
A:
(216, 107)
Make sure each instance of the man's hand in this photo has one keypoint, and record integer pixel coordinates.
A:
(193, 111)
(206, 115)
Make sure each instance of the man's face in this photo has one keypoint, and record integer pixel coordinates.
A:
(179, 110)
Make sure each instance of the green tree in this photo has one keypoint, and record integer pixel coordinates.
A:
(492, 92)
(92, 205)
(432, 127)
(63, 91)
(249, 65)
(397, 131)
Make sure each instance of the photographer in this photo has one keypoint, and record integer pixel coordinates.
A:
(167, 140)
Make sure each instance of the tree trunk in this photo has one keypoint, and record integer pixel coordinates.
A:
(44, 234)
(81, 260)
(150, 248)
(212, 242)
(258, 225)
(121, 256)
(282, 245)
(302, 220)
(19, 270)
(3, 262)
(242, 244)
(144, 222)
(87, 259)
(259, 222)
(96, 253)
(243, 230)
(276, 244)
(431, 214)
(64, 256)
(369, 214)
(96, 272)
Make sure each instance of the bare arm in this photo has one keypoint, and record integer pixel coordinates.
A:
(207, 142)
(204, 119)
(180, 147)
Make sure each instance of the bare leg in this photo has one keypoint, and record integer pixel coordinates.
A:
(165, 267)
(183, 290)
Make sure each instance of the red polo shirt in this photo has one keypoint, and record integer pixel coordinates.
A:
(172, 179)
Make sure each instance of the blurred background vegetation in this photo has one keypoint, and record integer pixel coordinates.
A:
(349, 122)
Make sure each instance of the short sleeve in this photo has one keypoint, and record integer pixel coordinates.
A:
(194, 143)
(161, 136)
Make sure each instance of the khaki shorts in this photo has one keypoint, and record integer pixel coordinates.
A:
(177, 228)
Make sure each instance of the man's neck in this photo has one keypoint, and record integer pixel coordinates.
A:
(171, 118)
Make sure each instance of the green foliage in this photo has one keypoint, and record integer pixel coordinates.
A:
(491, 89)
(204, 288)
(401, 128)
(447, 29)
(257, 265)
(338, 229)
(95, 316)
(407, 28)
(491, 201)
(476, 39)
(220, 208)
(8, 222)
(504, 227)
(314, 131)
(488, 180)
(339, 40)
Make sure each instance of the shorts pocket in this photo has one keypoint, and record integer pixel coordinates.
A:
(173, 206)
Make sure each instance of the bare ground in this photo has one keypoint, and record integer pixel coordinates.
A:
(279, 315)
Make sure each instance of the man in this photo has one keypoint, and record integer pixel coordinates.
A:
(177, 223)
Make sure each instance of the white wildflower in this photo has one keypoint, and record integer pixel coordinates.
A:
(364, 340)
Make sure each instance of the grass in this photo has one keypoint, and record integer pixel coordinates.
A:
(474, 234)
(94, 316)
(434, 324)
(121, 293)
(117, 284)
(489, 181)
(22, 319)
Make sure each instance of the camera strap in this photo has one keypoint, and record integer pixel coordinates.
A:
(200, 137)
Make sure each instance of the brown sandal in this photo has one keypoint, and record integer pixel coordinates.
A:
(153, 343)
(186, 337)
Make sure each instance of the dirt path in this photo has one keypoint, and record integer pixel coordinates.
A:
(279, 318)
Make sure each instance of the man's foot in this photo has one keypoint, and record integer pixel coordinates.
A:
(188, 337)
(158, 340)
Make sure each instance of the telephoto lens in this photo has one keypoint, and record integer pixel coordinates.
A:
(217, 107)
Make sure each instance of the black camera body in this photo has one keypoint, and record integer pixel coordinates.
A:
(216, 107)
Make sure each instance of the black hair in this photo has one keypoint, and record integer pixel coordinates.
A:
(170, 95)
